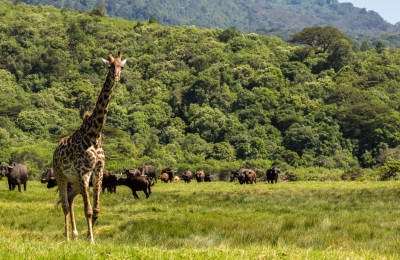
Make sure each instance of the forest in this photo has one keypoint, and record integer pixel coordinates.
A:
(197, 98)
(279, 18)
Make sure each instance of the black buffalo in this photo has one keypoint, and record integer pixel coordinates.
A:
(109, 182)
(244, 176)
(187, 176)
(171, 174)
(49, 178)
(17, 175)
(201, 176)
(272, 175)
(148, 170)
(132, 171)
(250, 176)
(137, 183)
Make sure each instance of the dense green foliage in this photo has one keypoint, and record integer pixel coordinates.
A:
(270, 17)
(218, 220)
(195, 98)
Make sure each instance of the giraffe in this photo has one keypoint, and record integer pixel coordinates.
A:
(79, 157)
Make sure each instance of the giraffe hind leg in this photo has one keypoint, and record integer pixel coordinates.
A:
(87, 206)
(72, 193)
(97, 180)
(63, 191)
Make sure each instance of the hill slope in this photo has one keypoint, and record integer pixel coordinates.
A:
(279, 17)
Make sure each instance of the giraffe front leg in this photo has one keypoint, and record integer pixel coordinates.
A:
(66, 226)
(97, 180)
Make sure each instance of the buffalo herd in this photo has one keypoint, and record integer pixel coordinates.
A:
(137, 179)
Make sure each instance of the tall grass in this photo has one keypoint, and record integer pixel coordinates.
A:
(219, 220)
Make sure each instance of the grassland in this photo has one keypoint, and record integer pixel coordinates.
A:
(220, 220)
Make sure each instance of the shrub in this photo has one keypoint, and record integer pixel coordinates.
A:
(390, 171)
(359, 174)
(313, 174)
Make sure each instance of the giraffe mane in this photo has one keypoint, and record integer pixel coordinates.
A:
(87, 115)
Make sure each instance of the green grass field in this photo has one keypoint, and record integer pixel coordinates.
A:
(219, 220)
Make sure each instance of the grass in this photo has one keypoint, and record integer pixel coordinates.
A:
(219, 220)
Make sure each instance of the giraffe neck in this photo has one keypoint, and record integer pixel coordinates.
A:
(95, 123)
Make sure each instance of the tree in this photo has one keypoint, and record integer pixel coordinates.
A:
(153, 20)
(327, 40)
(380, 47)
(223, 151)
(299, 137)
(206, 121)
(340, 55)
(228, 34)
(364, 46)
(98, 11)
(320, 39)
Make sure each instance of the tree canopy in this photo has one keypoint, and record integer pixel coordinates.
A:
(206, 98)
(268, 17)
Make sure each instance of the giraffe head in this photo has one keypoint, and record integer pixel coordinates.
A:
(115, 65)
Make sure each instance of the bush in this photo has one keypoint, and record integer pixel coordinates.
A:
(313, 174)
(390, 171)
(359, 174)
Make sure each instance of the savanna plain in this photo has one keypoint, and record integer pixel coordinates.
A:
(217, 220)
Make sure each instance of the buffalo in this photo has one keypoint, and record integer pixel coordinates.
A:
(49, 178)
(244, 176)
(109, 182)
(17, 175)
(239, 174)
(201, 176)
(272, 175)
(133, 171)
(176, 179)
(137, 183)
(164, 177)
(149, 171)
(170, 172)
(187, 176)
(250, 176)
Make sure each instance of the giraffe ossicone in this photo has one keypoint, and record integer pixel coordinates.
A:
(79, 158)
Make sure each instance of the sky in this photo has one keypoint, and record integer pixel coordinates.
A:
(389, 10)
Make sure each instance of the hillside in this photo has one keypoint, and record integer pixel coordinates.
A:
(192, 97)
(269, 17)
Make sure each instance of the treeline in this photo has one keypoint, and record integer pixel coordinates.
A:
(197, 98)
(269, 17)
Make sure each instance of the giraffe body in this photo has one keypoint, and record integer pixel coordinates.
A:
(79, 158)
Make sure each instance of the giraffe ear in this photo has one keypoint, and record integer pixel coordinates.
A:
(106, 63)
(123, 62)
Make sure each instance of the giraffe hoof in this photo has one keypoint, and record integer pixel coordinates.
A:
(74, 234)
